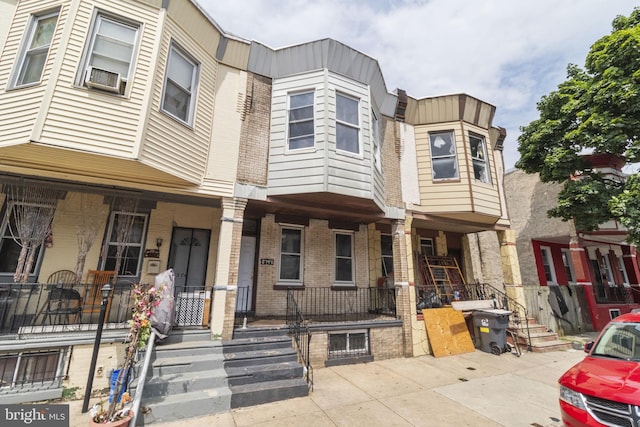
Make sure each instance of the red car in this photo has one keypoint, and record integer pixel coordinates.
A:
(604, 389)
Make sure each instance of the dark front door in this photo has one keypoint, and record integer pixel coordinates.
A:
(188, 258)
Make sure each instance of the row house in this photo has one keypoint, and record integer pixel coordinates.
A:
(136, 136)
(577, 281)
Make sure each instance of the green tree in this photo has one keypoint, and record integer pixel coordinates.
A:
(596, 111)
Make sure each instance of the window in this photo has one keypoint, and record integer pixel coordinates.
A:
(349, 344)
(386, 248)
(291, 255)
(344, 258)
(426, 247)
(607, 273)
(111, 53)
(180, 83)
(547, 263)
(375, 136)
(443, 155)
(23, 225)
(31, 368)
(301, 120)
(568, 265)
(124, 246)
(36, 49)
(347, 124)
(623, 271)
(479, 158)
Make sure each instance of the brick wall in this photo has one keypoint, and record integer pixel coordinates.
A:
(254, 136)
(317, 258)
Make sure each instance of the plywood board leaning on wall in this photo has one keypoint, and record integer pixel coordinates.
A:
(447, 332)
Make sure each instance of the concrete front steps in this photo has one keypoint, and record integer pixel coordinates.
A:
(262, 367)
(542, 340)
(186, 379)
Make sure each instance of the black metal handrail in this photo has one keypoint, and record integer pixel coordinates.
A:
(299, 331)
(35, 307)
(520, 315)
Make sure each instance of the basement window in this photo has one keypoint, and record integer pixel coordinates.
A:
(348, 344)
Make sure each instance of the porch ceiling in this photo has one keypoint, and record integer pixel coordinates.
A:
(328, 206)
(454, 223)
(56, 162)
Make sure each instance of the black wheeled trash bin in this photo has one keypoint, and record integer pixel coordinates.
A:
(491, 325)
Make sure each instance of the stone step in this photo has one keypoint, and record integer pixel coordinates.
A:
(179, 364)
(187, 348)
(254, 332)
(269, 391)
(262, 373)
(555, 345)
(183, 382)
(183, 335)
(260, 357)
(537, 337)
(256, 344)
(174, 407)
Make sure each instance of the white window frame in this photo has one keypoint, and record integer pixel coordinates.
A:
(28, 52)
(481, 159)
(300, 254)
(348, 125)
(568, 265)
(547, 262)
(452, 155)
(108, 243)
(351, 257)
(175, 49)
(376, 142)
(606, 266)
(427, 242)
(349, 350)
(89, 53)
(623, 271)
(292, 122)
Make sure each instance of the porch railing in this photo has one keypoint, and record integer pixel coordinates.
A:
(299, 331)
(613, 294)
(345, 305)
(34, 307)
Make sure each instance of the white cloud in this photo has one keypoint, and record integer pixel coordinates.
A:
(505, 52)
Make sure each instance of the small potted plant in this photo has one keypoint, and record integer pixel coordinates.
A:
(118, 413)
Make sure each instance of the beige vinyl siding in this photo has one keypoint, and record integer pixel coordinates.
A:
(170, 145)
(7, 9)
(236, 54)
(463, 195)
(90, 120)
(222, 164)
(297, 171)
(20, 107)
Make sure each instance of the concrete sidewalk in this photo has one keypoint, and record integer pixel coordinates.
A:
(473, 389)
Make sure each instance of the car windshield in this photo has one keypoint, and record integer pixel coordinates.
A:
(619, 341)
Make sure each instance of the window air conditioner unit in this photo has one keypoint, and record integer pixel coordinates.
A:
(97, 78)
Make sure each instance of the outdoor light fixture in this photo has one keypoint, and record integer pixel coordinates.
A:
(159, 242)
(105, 291)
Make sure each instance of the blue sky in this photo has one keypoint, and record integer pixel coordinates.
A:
(508, 53)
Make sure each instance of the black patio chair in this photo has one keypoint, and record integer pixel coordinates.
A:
(62, 306)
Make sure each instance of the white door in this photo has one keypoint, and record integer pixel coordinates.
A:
(245, 274)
